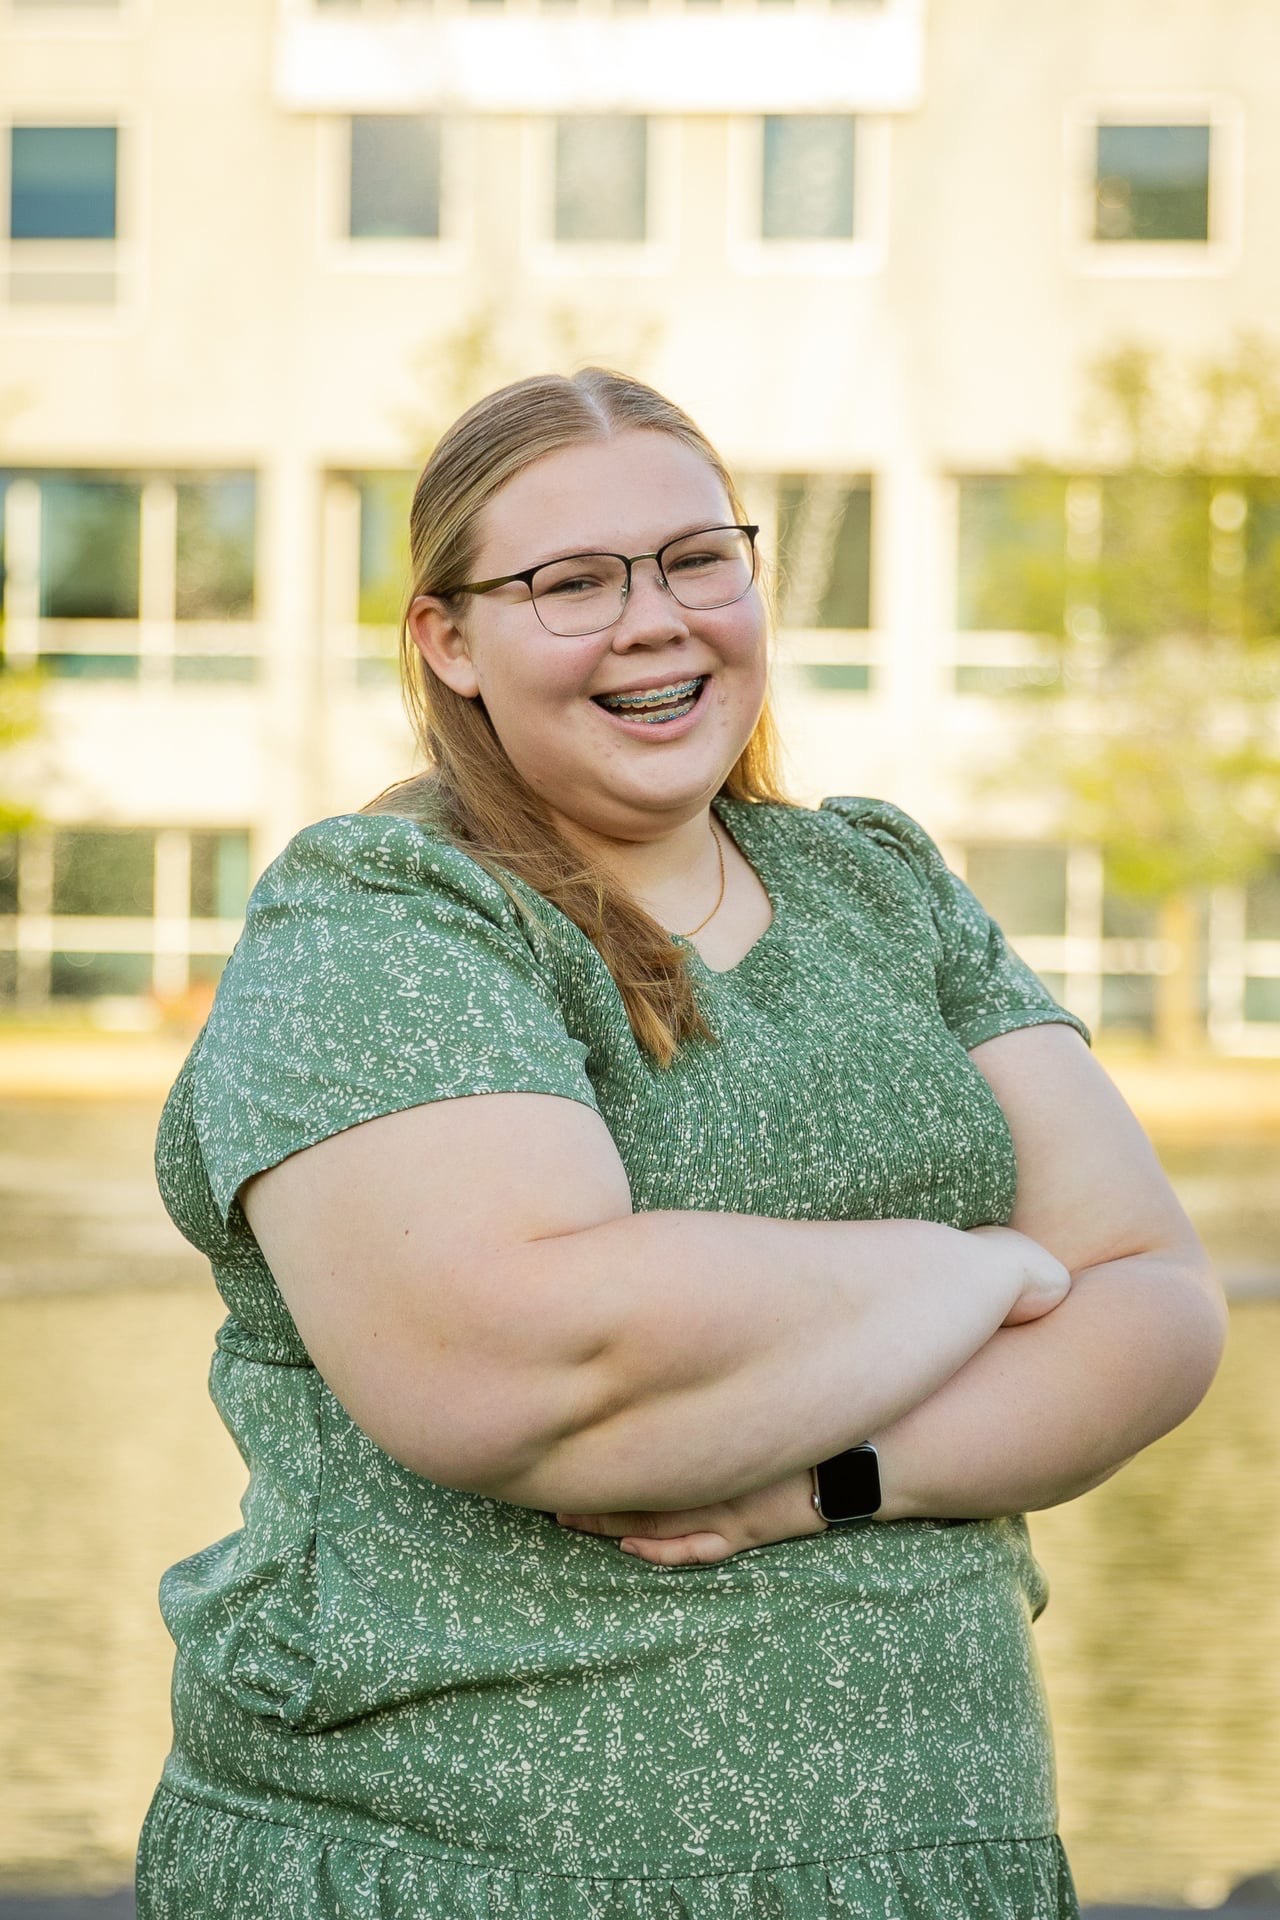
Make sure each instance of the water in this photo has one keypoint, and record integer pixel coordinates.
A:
(1159, 1643)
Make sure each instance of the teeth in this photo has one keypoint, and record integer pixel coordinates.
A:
(651, 697)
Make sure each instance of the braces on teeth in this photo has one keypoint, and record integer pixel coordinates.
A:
(653, 697)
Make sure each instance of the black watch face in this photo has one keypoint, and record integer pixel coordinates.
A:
(849, 1485)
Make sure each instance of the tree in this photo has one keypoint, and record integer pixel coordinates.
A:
(19, 720)
(494, 345)
(1159, 601)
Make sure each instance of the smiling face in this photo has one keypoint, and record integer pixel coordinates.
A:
(614, 776)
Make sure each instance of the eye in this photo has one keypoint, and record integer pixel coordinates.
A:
(690, 562)
(574, 578)
(575, 584)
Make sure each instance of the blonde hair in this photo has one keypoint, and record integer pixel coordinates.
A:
(471, 791)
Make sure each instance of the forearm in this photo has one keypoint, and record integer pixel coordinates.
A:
(732, 1349)
(1045, 1411)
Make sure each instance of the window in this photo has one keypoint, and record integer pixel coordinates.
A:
(112, 549)
(89, 536)
(114, 908)
(104, 872)
(824, 551)
(601, 177)
(1128, 1001)
(1011, 553)
(62, 183)
(219, 874)
(8, 873)
(1262, 1000)
(92, 976)
(1152, 183)
(807, 179)
(1155, 559)
(215, 556)
(1262, 903)
(384, 546)
(1023, 888)
(1126, 918)
(395, 177)
(1261, 583)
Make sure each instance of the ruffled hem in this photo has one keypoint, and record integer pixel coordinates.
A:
(198, 1862)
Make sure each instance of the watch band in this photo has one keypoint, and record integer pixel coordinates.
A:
(847, 1486)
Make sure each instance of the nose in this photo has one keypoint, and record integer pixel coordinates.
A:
(651, 613)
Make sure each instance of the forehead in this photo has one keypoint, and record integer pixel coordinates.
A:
(626, 494)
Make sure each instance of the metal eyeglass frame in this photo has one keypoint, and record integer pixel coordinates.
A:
(526, 577)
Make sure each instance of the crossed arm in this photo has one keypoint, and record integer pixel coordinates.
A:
(1045, 1411)
(475, 1289)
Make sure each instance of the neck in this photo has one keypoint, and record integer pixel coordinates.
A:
(669, 874)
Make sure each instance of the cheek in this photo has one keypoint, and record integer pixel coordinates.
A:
(530, 701)
(746, 649)
(520, 682)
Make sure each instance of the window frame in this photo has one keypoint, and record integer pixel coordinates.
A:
(823, 663)
(543, 253)
(866, 252)
(339, 251)
(118, 257)
(74, 19)
(1221, 253)
(159, 645)
(169, 937)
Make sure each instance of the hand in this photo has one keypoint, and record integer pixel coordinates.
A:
(697, 1536)
(1045, 1281)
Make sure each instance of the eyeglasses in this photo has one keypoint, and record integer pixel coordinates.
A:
(588, 591)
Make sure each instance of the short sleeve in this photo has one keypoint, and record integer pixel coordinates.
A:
(379, 968)
(984, 987)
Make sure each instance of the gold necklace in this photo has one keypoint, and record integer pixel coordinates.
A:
(719, 897)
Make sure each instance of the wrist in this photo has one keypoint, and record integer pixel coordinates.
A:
(816, 1521)
(895, 1492)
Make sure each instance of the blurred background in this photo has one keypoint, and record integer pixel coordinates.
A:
(981, 301)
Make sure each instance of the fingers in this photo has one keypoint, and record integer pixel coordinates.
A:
(606, 1523)
(689, 1550)
(656, 1526)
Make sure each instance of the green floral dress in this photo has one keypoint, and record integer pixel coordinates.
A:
(396, 1701)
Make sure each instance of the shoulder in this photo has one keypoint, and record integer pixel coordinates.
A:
(363, 908)
(379, 856)
(864, 833)
(879, 823)
(874, 846)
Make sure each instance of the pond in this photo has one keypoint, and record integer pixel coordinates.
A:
(1158, 1645)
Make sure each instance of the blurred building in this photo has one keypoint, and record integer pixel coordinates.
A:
(254, 252)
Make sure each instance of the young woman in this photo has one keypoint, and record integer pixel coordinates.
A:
(589, 1145)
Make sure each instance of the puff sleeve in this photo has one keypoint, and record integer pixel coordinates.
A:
(984, 987)
(379, 968)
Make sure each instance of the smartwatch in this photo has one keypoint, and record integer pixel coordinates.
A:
(847, 1487)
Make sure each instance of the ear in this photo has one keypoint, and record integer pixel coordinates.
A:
(439, 638)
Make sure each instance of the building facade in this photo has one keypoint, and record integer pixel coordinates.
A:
(255, 253)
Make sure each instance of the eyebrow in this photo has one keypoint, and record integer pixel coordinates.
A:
(574, 553)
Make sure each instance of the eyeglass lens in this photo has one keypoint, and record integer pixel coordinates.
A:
(587, 592)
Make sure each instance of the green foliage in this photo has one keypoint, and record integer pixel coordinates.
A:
(19, 720)
(496, 344)
(1161, 607)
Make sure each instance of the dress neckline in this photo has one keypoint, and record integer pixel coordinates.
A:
(742, 821)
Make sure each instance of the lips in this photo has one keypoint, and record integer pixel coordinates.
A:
(655, 705)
